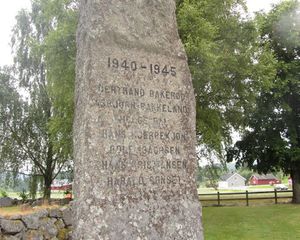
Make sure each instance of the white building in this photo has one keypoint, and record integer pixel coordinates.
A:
(232, 180)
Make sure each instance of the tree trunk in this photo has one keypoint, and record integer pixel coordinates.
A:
(296, 185)
(48, 173)
(47, 186)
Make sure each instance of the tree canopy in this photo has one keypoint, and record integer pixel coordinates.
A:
(272, 139)
(221, 47)
(44, 65)
(11, 108)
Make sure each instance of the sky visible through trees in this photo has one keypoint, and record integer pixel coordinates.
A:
(9, 9)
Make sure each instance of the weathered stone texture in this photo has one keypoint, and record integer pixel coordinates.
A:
(67, 216)
(48, 228)
(44, 224)
(32, 221)
(11, 226)
(6, 202)
(134, 129)
(33, 235)
(11, 237)
(55, 213)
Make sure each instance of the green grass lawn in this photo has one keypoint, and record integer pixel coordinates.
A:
(276, 222)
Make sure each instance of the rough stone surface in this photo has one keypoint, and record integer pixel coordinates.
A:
(33, 235)
(42, 213)
(48, 228)
(11, 226)
(15, 217)
(55, 213)
(64, 234)
(32, 221)
(6, 202)
(134, 129)
(60, 224)
(38, 202)
(67, 216)
(40, 225)
(10, 237)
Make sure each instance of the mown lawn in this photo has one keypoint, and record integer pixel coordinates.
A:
(276, 222)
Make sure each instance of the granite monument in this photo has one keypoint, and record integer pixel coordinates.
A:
(134, 127)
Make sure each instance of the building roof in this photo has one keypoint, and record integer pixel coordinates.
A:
(264, 176)
(226, 176)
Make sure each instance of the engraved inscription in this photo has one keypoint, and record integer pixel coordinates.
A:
(125, 181)
(143, 106)
(128, 65)
(144, 149)
(126, 164)
(160, 146)
(117, 90)
(114, 134)
(142, 120)
(141, 92)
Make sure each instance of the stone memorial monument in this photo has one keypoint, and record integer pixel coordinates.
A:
(134, 129)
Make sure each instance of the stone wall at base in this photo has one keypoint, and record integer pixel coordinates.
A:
(52, 224)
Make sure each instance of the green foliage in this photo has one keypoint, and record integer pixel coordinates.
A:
(11, 107)
(60, 54)
(23, 195)
(221, 47)
(67, 191)
(272, 140)
(245, 172)
(210, 174)
(33, 186)
(3, 193)
(39, 135)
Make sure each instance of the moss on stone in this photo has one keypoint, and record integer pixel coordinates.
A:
(63, 234)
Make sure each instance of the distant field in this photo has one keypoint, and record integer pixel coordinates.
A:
(275, 222)
(54, 194)
(249, 188)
